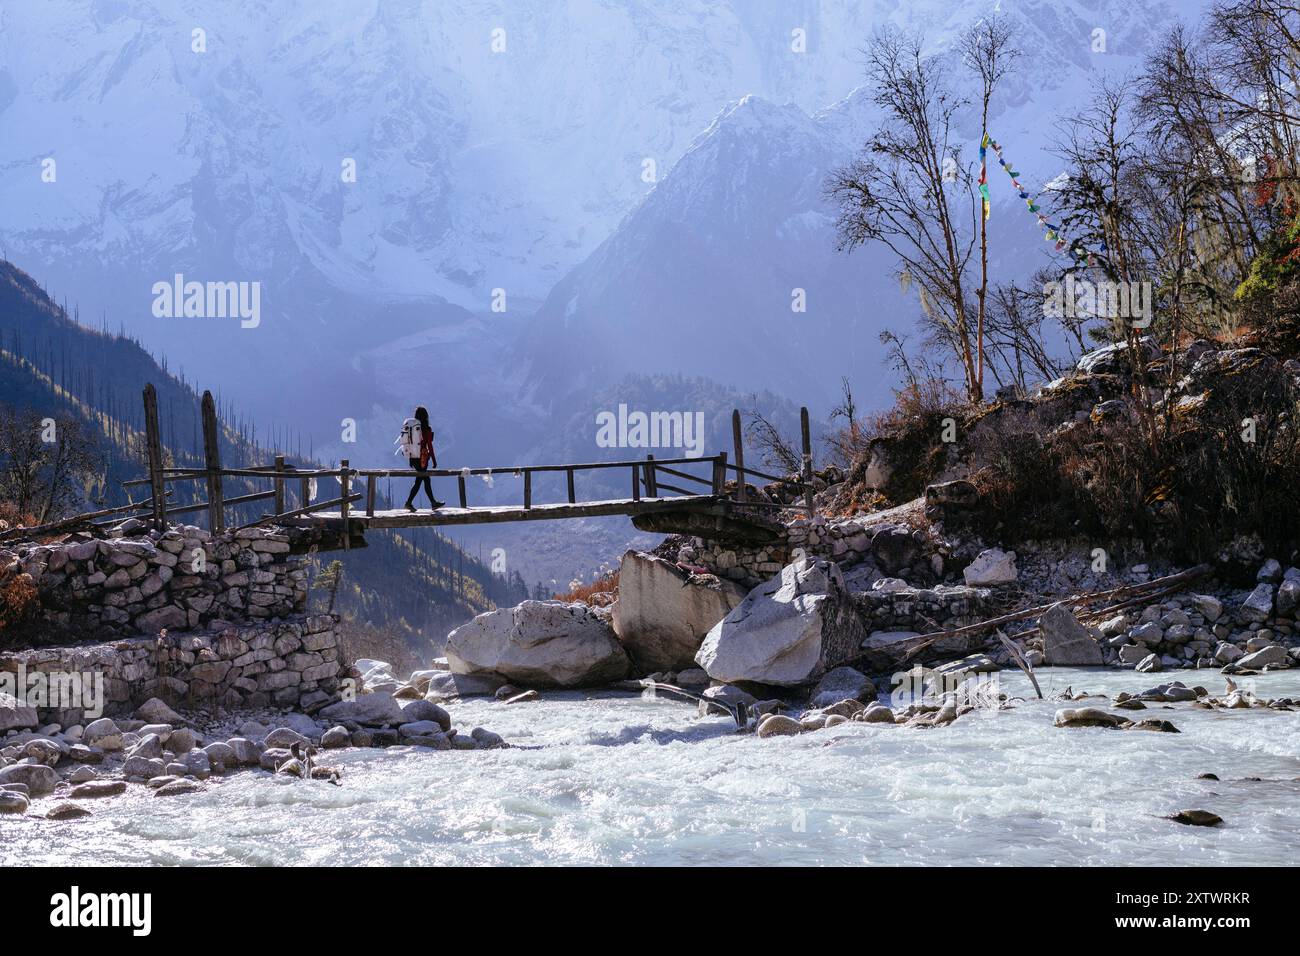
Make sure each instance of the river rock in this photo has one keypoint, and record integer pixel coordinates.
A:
(1149, 664)
(1085, 717)
(1272, 656)
(11, 802)
(839, 684)
(788, 631)
(247, 753)
(38, 778)
(1197, 818)
(150, 746)
(1066, 642)
(369, 710)
(486, 738)
(66, 811)
(16, 715)
(104, 734)
(284, 738)
(991, 567)
(98, 788)
(178, 788)
(335, 737)
(663, 613)
(221, 756)
(82, 774)
(444, 685)
(876, 713)
(539, 644)
(426, 710)
(1259, 604)
(142, 768)
(727, 694)
(779, 725)
(692, 677)
(155, 711)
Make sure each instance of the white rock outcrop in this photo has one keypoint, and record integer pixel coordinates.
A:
(539, 644)
(662, 613)
(991, 567)
(787, 631)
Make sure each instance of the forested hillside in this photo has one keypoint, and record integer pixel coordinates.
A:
(89, 383)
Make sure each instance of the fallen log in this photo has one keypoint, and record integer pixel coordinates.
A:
(1133, 594)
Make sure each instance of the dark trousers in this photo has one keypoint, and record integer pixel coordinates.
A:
(420, 480)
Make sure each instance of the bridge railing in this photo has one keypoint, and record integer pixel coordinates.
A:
(649, 477)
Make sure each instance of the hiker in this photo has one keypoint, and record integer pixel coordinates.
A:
(416, 442)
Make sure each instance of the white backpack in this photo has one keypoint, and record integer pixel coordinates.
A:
(408, 442)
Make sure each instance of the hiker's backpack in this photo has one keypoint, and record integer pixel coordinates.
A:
(408, 442)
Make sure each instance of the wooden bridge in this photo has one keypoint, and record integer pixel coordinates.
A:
(717, 504)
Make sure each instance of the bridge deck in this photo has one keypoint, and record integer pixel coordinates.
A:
(448, 515)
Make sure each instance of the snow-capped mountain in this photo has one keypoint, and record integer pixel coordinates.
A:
(383, 167)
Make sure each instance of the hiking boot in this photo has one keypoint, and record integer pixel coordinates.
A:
(436, 504)
(410, 507)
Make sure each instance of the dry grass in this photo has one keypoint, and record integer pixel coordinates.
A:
(584, 592)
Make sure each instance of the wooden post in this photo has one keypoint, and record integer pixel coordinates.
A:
(345, 506)
(528, 489)
(212, 461)
(460, 487)
(371, 482)
(719, 474)
(569, 475)
(304, 492)
(651, 489)
(807, 476)
(738, 441)
(636, 482)
(279, 484)
(153, 447)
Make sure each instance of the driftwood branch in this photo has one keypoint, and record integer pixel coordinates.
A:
(1133, 594)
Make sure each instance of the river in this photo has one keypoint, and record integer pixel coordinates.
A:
(625, 780)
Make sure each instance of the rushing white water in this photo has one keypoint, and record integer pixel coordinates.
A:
(624, 780)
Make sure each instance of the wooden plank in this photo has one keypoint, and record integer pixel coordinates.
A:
(572, 499)
(279, 483)
(311, 510)
(239, 500)
(738, 441)
(371, 490)
(805, 433)
(539, 512)
(153, 449)
(528, 489)
(212, 461)
(346, 506)
(43, 529)
(720, 474)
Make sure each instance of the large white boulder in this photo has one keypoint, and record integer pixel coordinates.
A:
(991, 567)
(788, 631)
(662, 613)
(539, 644)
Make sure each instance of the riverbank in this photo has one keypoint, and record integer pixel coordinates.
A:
(599, 778)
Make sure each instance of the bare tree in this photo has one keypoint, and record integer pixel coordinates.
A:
(987, 50)
(909, 190)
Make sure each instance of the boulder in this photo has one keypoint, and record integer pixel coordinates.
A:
(1086, 717)
(726, 694)
(369, 710)
(1149, 664)
(1258, 606)
(97, 789)
(991, 567)
(842, 683)
(1211, 608)
(539, 644)
(284, 738)
(335, 738)
(154, 711)
(778, 725)
(894, 547)
(418, 710)
(66, 811)
(444, 685)
(1066, 642)
(36, 777)
(1288, 597)
(662, 612)
(12, 802)
(15, 714)
(1272, 656)
(790, 630)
